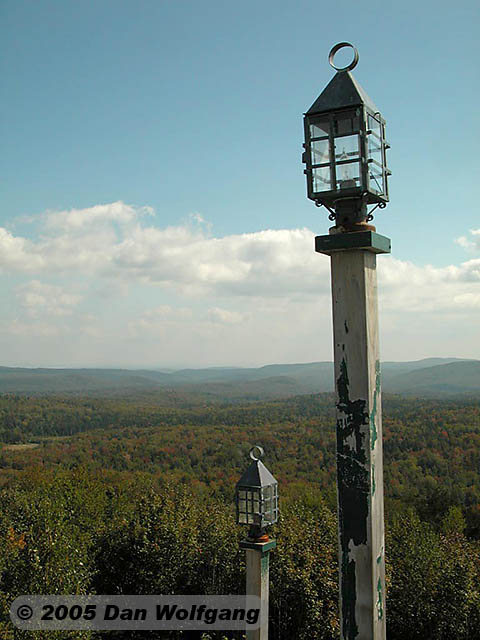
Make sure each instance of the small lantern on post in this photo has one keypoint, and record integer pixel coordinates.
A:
(345, 148)
(256, 499)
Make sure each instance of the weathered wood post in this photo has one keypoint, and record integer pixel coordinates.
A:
(258, 561)
(346, 171)
(359, 431)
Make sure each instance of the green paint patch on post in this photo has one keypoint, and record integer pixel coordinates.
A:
(264, 563)
(379, 590)
(380, 598)
(373, 413)
(373, 479)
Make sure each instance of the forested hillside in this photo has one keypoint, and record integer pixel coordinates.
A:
(431, 447)
(135, 495)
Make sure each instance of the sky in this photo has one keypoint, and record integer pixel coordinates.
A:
(153, 208)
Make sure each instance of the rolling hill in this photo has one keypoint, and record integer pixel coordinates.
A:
(430, 377)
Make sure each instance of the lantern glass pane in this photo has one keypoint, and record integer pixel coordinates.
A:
(347, 148)
(375, 177)
(374, 126)
(348, 175)
(322, 180)
(253, 501)
(320, 128)
(376, 180)
(375, 149)
(267, 502)
(270, 504)
(320, 151)
(268, 512)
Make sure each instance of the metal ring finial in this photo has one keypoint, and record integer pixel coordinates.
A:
(260, 452)
(336, 48)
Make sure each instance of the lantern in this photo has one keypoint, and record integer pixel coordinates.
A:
(345, 148)
(256, 496)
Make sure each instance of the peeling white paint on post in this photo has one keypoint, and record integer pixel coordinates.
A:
(257, 566)
(359, 435)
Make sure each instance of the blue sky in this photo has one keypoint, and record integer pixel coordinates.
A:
(189, 115)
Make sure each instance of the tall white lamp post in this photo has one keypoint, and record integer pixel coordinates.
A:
(346, 173)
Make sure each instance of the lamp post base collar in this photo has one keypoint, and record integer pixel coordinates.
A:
(355, 240)
(264, 547)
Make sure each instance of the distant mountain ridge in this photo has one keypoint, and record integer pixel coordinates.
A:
(451, 378)
(431, 377)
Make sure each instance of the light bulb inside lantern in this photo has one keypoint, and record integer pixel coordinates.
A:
(344, 173)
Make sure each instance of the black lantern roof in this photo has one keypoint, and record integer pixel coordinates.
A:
(341, 92)
(257, 475)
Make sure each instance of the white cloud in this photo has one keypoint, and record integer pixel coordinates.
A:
(259, 289)
(224, 316)
(38, 298)
(34, 329)
(467, 300)
(74, 220)
(18, 254)
(199, 219)
(159, 319)
(411, 288)
(164, 313)
(113, 241)
(264, 263)
(471, 244)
